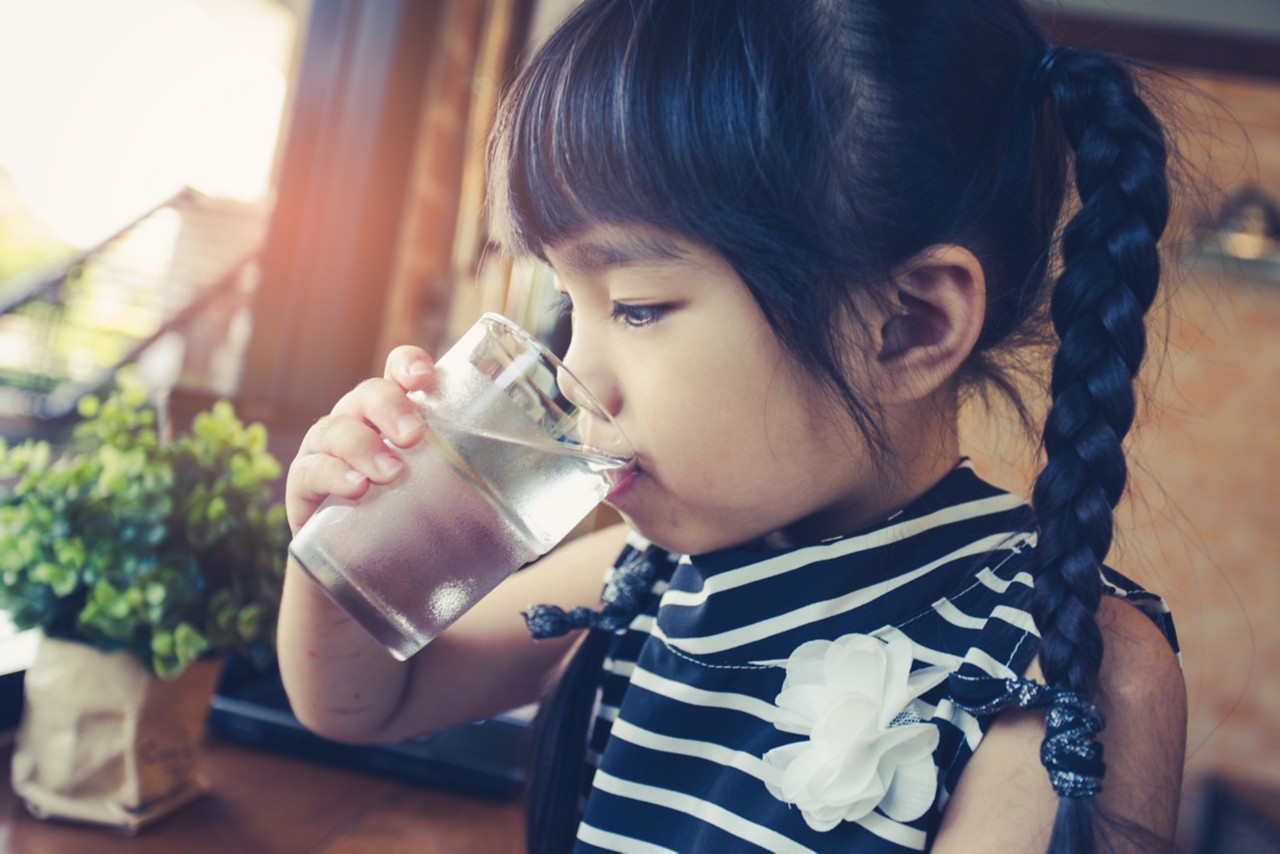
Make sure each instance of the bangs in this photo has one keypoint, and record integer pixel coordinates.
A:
(636, 113)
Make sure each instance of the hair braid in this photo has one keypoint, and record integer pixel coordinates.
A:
(1111, 270)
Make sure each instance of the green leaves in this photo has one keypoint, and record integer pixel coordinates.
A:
(61, 580)
(172, 550)
(172, 651)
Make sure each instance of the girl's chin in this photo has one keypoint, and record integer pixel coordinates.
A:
(679, 539)
(647, 509)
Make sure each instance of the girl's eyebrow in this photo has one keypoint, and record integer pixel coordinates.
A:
(621, 251)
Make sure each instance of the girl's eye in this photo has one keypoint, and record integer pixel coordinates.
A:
(638, 315)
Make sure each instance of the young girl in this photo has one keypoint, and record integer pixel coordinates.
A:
(792, 236)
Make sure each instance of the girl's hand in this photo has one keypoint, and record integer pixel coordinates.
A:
(344, 451)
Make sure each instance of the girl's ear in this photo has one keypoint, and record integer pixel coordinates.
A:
(931, 322)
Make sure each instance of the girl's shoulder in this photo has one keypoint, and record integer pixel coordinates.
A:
(1122, 590)
(1000, 596)
(1142, 697)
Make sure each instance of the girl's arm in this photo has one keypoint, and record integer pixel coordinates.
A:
(344, 686)
(1004, 801)
(340, 683)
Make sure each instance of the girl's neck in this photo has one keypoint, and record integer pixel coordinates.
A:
(925, 449)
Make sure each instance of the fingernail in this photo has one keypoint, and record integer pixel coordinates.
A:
(418, 367)
(354, 477)
(388, 463)
(406, 424)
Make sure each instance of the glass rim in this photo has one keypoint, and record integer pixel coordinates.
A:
(544, 352)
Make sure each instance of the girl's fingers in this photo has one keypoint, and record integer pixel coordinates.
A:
(312, 479)
(340, 455)
(345, 451)
(383, 405)
(410, 367)
(354, 442)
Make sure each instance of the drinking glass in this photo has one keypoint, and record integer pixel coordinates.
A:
(516, 454)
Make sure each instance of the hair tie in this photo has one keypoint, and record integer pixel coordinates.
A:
(1044, 70)
(1070, 751)
(625, 592)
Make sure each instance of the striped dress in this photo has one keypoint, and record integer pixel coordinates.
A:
(687, 703)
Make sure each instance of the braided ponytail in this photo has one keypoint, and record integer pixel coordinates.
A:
(1111, 270)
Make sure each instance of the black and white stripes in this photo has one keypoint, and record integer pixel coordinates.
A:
(686, 703)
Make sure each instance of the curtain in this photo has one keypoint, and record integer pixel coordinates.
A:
(380, 190)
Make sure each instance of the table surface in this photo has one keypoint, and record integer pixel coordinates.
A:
(262, 803)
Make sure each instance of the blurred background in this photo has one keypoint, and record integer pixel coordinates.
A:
(256, 199)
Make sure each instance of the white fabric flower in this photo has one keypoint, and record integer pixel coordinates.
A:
(866, 747)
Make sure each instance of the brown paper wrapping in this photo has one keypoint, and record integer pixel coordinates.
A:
(104, 741)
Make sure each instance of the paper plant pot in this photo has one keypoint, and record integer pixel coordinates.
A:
(105, 741)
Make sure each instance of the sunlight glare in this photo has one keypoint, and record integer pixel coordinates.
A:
(113, 107)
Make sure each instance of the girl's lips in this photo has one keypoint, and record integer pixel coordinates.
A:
(624, 481)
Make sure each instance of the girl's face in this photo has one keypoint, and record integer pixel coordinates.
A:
(733, 442)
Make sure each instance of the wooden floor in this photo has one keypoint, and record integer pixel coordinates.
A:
(260, 803)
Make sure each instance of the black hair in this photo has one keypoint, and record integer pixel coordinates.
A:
(821, 146)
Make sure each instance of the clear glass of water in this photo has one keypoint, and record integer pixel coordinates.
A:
(516, 454)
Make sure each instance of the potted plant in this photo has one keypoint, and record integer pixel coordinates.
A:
(142, 560)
